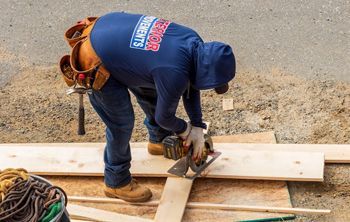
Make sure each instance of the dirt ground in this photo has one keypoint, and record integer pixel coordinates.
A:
(34, 108)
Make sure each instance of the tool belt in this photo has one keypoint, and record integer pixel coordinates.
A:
(78, 37)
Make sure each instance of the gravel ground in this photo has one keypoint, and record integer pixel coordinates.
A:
(291, 55)
(297, 109)
(307, 38)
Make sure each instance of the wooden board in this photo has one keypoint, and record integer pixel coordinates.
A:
(81, 212)
(233, 164)
(173, 201)
(334, 153)
(204, 205)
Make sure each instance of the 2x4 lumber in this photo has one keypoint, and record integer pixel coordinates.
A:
(232, 164)
(173, 200)
(82, 212)
(209, 206)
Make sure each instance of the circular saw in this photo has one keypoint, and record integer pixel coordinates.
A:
(174, 149)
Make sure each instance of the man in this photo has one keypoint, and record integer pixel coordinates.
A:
(159, 62)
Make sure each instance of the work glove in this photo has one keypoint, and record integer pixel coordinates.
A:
(195, 136)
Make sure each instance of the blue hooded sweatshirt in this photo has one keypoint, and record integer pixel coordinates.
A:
(145, 51)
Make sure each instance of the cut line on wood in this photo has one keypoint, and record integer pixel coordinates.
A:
(208, 206)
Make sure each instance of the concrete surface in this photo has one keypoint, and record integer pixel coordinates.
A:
(309, 38)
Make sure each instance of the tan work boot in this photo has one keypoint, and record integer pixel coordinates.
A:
(155, 148)
(131, 192)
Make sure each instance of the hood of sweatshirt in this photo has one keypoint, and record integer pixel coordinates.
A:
(214, 65)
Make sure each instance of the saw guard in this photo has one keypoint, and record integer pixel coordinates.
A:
(180, 168)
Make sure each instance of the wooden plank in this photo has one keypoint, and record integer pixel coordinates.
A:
(233, 163)
(238, 163)
(100, 215)
(208, 206)
(334, 153)
(173, 201)
(259, 208)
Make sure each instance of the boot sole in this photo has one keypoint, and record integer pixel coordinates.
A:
(128, 199)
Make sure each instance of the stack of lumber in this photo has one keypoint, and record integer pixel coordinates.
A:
(252, 156)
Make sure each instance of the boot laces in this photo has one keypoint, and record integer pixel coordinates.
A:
(134, 184)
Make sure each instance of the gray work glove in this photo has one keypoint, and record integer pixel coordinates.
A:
(195, 136)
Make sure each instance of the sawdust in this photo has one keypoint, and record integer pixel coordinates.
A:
(35, 108)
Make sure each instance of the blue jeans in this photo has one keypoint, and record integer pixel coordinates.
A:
(112, 103)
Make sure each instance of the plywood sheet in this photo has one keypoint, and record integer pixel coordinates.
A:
(262, 193)
(233, 164)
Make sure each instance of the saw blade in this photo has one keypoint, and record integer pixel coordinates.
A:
(180, 168)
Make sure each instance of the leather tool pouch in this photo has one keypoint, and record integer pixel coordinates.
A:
(101, 77)
(79, 31)
(67, 72)
(96, 76)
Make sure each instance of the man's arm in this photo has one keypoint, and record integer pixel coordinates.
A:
(170, 88)
(192, 103)
(170, 85)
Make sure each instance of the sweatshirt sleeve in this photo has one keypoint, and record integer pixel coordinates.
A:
(192, 103)
(170, 86)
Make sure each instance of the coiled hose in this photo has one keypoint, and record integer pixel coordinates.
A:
(28, 200)
(7, 177)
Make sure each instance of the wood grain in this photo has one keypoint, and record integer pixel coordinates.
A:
(172, 204)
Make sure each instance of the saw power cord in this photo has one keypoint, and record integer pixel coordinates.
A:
(31, 200)
(7, 177)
